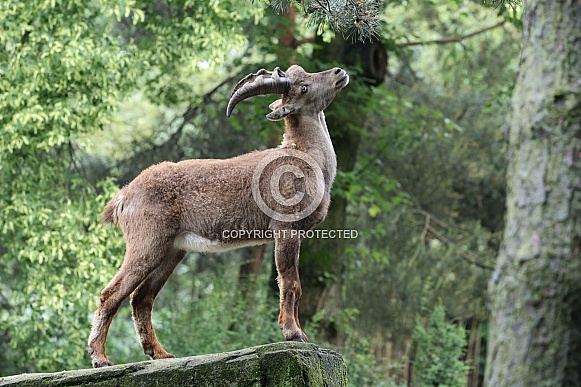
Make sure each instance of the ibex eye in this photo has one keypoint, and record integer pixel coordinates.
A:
(304, 89)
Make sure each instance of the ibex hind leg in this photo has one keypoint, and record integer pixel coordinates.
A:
(136, 267)
(142, 300)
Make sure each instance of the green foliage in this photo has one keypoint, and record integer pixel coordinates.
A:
(175, 39)
(439, 350)
(363, 367)
(67, 255)
(226, 312)
(64, 68)
(362, 19)
(436, 134)
(61, 75)
(202, 311)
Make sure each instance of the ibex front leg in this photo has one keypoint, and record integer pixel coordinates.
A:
(287, 265)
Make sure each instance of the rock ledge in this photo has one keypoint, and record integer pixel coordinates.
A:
(280, 364)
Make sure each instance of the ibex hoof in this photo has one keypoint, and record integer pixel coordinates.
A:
(300, 338)
(164, 355)
(159, 354)
(101, 363)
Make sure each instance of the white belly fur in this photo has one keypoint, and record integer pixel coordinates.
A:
(190, 241)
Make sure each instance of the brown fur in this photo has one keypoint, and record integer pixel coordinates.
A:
(173, 207)
(107, 215)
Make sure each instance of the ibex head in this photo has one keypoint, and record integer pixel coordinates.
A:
(302, 92)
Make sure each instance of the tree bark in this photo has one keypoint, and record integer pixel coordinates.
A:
(535, 291)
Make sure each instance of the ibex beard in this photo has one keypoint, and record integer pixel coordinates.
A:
(174, 208)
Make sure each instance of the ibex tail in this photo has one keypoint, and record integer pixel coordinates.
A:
(113, 209)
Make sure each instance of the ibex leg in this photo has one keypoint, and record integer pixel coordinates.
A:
(142, 300)
(289, 283)
(136, 267)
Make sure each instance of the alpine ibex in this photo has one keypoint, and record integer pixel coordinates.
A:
(197, 205)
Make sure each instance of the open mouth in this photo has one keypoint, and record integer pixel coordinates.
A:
(343, 81)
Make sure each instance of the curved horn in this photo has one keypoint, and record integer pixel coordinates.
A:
(263, 82)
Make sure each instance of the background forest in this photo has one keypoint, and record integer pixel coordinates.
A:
(93, 92)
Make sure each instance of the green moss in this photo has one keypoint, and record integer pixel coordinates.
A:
(279, 364)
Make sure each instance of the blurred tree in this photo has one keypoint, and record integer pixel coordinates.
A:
(439, 351)
(535, 322)
(64, 67)
(435, 137)
(323, 260)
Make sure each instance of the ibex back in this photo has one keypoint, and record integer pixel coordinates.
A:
(194, 205)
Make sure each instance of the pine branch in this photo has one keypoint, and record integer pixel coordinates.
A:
(358, 19)
(503, 3)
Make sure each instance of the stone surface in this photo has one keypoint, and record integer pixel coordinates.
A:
(279, 364)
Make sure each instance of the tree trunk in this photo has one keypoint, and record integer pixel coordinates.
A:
(323, 260)
(535, 291)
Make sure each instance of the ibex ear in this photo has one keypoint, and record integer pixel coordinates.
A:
(276, 104)
(280, 113)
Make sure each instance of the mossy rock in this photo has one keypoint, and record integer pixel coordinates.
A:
(280, 364)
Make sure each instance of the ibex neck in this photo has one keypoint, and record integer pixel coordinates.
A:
(309, 134)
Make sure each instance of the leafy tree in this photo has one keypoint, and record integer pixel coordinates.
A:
(64, 68)
(439, 350)
(323, 261)
(427, 192)
(61, 74)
